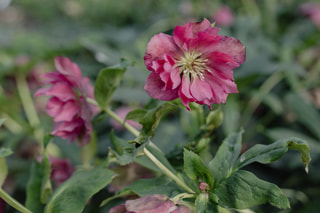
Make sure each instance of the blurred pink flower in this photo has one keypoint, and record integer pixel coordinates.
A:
(195, 64)
(155, 203)
(61, 170)
(223, 17)
(311, 10)
(68, 105)
(122, 113)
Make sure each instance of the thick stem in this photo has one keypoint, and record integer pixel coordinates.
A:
(12, 202)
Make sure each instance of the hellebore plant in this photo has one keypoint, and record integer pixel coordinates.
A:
(196, 65)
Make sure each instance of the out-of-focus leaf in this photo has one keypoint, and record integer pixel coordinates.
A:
(269, 153)
(73, 194)
(46, 188)
(223, 163)
(243, 190)
(305, 113)
(2, 121)
(3, 170)
(214, 119)
(231, 116)
(4, 152)
(196, 169)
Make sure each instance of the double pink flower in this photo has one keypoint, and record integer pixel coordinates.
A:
(68, 105)
(195, 64)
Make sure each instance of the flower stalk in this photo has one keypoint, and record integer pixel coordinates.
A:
(12, 202)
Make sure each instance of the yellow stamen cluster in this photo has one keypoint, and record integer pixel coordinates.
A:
(192, 65)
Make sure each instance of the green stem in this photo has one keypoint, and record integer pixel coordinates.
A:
(136, 133)
(12, 202)
(28, 105)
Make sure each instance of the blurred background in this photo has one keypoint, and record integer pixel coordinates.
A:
(279, 84)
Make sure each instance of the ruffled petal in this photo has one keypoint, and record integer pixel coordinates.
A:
(158, 46)
(54, 106)
(66, 67)
(200, 90)
(155, 88)
(155, 203)
(62, 91)
(232, 47)
(68, 111)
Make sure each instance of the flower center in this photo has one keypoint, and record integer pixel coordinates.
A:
(192, 65)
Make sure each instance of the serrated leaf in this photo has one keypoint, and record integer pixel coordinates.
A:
(73, 194)
(125, 152)
(153, 116)
(107, 82)
(196, 169)
(269, 153)
(243, 190)
(206, 205)
(223, 162)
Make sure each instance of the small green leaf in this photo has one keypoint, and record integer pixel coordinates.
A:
(136, 115)
(5, 152)
(46, 188)
(72, 195)
(222, 164)
(243, 190)
(107, 82)
(125, 152)
(206, 205)
(269, 153)
(153, 116)
(196, 169)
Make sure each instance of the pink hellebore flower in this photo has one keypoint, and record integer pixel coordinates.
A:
(68, 106)
(194, 64)
(223, 16)
(150, 204)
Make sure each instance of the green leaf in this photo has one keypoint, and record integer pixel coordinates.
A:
(125, 152)
(136, 115)
(223, 163)
(269, 153)
(33, 201)
(196, 169)
(158, 185)
(206, 205)
(72, 195)
(107, 82)
(243, 190)
(4, 152)
(152, 118)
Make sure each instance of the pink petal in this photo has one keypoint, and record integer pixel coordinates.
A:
(54, 106)
(118, 209)
(62, 91)
(184, 92)
(155, 203)
(158, 46)
(42, 91)
(232, 47)
(181, 209)
(68, 111)
(154, 87)
(203, 42)
(200, 90)
(66, 67)
(175, 78)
